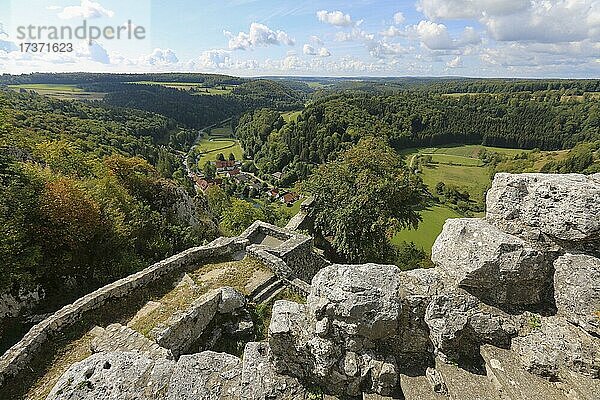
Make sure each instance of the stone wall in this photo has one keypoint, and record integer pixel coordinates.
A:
(293, 258)
(18, 356)
(293, 261)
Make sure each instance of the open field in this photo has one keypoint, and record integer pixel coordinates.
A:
(431, 226)
(453, 165)
(223, 131)
(459, 166)
(210, 147)
(199, 88)
(291, 115)
(58, 91)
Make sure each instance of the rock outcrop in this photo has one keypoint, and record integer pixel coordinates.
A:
(547, 208)
(510, 311)
(577, 290)
(498, 268)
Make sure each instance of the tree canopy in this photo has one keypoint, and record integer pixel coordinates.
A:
(362, 198)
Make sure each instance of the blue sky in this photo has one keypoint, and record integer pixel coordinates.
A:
(507, 38)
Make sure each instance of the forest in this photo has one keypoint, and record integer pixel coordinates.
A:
(549, 120)
(89, 194)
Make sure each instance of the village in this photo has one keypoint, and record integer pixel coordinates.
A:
(229, 176)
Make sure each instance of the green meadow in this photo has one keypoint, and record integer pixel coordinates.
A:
(60, 91)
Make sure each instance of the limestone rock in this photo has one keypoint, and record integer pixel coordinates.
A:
(577, 290)
(498, 268)
(561, 207)
(337, 339)
(362, 299)
(412, 346)
(114, 376)
(459, 323)
(288, 338)
(205, 376)
(231, 300)
(180, 331)
(117, 337)
(505, 371)
(554, 344)
(259, 379)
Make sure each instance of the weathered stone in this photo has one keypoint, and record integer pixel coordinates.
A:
(260, 381)
(114, 376)
(577, 290)
(412, 346)
(288, 338)
(504, 369)
(418, 387)
(436, 381)
(205, 376)
(561, 207)
(362, 299)
(498, 268)
(119, 338)
(464, 385)
(334, 339)
(231, 300)
(180, 331)
(554, 344)
(459, 323)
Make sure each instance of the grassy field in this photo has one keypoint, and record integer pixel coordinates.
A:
(431, 226)
(59, 91)
(291, 115)
(210, 147)
(223, 131)
(459, 166)
(454, 165)
(199, 88)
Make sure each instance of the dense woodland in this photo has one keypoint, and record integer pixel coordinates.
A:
(199, 111)
(548, 120)
(86, 196)
(88, 78)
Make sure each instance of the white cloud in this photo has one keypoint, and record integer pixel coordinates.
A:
(543, 21)
(259, 35)
(86, 10)
(399, 18)
(461, 9)
(309, 50)
(324, 52)
(161, 57)
(434, 36)
(210, 59)
(355, 35)
(456, 62)
(392, 31)
(336, 18)
(548, 22)
(316, 40)
(98, 53)
(382, 49)
(470, 36)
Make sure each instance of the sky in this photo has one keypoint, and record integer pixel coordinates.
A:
(479, 38)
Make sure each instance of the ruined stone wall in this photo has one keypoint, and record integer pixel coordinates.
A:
(18, 356)
(293, 258)
(294, 262)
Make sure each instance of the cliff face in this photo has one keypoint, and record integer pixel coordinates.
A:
(510, 311)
